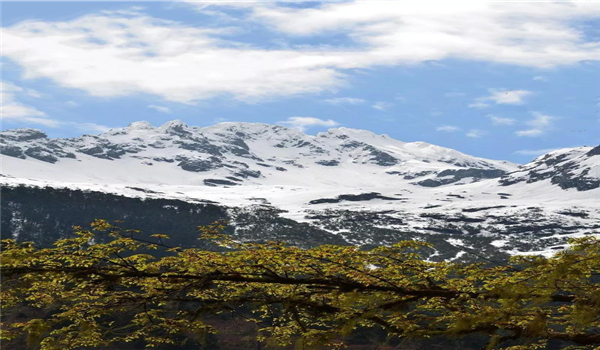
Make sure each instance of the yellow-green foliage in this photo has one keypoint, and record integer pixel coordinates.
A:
(100, 294)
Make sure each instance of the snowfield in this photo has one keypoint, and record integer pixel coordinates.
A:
(416, 187)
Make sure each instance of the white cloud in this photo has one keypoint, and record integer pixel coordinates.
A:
(220, 120)
(475, 133)
(115, 55)
(71, 104)
(534, 152)
(540, 124)
(501, 120)
(479, 105)
(500, 96)
(447, 128)
(31, 92)
(382, 106)
(454, 94)
(15, 112)
(401, 98)
(521, 34)
(345, 101)
(89, 127)
(509, 97)
(160, 108)
(540, 120)
(302, 123)
(541, 78)
(122, 53)
(529, 132)
(11, 109)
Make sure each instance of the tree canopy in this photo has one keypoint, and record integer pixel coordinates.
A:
(81, 293)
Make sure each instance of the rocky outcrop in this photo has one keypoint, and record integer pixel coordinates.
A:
(449, 176)
(353, 198)
(577, 168)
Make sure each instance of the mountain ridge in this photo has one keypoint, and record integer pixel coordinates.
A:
(245, 145)
(349, 185)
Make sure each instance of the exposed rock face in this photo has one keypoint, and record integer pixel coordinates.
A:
(381, 158)
(475, 173)
(12, 151)
(248, 173)
(22, 135)
(451, 176)
(216, 182)
(354, 198)
(594, 152)
(200, 165)
(42, 154)
(331, 162)
(577, 168)
(199, 145)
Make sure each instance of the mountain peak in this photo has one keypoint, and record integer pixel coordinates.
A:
(256, 129)
(576, 167)
(140, 125)
(241, 126)
(343, 132)
(174, 127)
(594, 151)
(24, 134)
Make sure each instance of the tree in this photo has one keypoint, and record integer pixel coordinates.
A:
(96, 295)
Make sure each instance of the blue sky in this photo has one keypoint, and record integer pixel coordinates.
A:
(496, 80)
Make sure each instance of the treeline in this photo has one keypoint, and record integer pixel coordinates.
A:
(44, 215)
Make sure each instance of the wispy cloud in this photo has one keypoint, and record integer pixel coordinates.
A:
(302, 123)
(500, 96)
(479, 105)
(220, 120)
(539, 125)
(382, 106)
(501, 120)
(541, 78)
(401, 98)
(448, 128)
(161, 109)
(534, 152)
(529, 133)
(345, 101)
(476, 133)
(89, 127)
(454, 94)
(15, 112)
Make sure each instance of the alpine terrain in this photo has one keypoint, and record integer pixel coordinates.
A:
(343, 186)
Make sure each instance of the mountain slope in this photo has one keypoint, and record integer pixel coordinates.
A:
(239, 153)
(577, 168)
(344, 185)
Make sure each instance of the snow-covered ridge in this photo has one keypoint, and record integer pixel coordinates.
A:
(239, 153)
(577, 168)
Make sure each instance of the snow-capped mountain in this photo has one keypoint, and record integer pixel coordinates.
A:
(577, 168)
(239, 153)
(343, 186)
